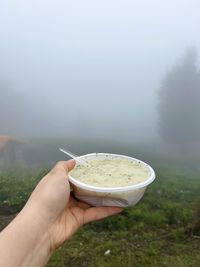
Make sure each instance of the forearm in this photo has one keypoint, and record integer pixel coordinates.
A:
(25, 241)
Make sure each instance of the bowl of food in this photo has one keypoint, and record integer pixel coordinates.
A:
(110, 179)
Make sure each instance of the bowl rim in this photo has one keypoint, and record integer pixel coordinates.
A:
(114, 189)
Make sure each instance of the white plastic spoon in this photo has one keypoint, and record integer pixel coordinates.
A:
(75, 157)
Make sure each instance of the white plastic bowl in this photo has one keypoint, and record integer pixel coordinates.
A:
(105, 196)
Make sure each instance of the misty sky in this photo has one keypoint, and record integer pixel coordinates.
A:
(91, 67)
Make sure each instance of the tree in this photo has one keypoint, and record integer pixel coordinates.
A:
(179, 103)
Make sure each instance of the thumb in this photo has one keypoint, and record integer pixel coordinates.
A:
(64, 166)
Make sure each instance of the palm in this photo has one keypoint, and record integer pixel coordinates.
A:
(75, 215)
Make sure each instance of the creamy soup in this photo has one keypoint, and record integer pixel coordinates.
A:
(111, 172)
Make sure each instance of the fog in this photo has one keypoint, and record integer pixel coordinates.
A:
(89, 69)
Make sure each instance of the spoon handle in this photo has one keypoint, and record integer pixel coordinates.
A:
(72, 155)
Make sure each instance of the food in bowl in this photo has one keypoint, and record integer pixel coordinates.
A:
(110, 179)
(111, 172)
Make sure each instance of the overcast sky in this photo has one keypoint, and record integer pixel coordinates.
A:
(91, 67)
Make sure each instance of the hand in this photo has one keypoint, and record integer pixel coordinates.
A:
(61, 212)
(50, 217)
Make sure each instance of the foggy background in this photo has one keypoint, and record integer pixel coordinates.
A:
(90, 70)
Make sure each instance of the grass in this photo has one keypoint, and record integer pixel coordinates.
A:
(16, 184)
(153, 233)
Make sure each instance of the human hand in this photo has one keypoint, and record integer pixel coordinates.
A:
(61, 212)
(50, 217)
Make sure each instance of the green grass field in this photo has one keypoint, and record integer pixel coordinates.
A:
(156, 232)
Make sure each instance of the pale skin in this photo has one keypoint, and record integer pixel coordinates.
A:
(49, 218)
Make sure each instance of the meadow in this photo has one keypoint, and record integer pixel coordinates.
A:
(159, 231)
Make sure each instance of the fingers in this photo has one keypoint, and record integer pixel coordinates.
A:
(83, 205)
(65, 166)
(75, 203)
(98, 213)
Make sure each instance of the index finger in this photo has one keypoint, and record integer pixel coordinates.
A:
(98, 213)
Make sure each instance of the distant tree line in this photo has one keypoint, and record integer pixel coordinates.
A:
(179, 103)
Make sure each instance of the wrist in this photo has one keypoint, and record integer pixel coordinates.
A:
(34, 220)
(31, 233)
(28, 240)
